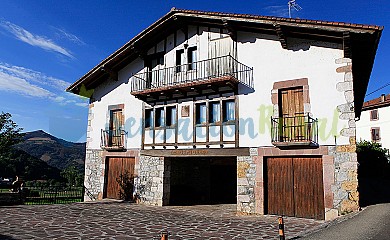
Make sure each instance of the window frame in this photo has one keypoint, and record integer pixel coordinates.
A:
(209, 111)
(373, 136)
(172, 118)
(376, 115)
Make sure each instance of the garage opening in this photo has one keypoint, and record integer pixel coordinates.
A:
(294, 187)
(195, 181)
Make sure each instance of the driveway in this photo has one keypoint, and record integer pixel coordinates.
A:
(371, 223)
(131, 221)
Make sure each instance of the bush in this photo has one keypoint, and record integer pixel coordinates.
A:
(373, 160)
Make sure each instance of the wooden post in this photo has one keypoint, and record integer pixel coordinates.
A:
(281, 228)
(164, 235)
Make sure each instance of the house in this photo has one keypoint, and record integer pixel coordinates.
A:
(374, 124)
(209, 107)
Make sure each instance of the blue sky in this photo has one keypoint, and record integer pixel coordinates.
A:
(46, 45)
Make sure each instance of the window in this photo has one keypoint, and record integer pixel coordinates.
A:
(228, 110)
(215, 112)
(160, 118)
(171, 116)
(192, 58)
(201, 113)
(374, 115)
(375, 135)
(179, 60)
(148, 118)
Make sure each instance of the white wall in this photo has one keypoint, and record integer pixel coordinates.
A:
(364, 125)
(113, 93)
(271, 63)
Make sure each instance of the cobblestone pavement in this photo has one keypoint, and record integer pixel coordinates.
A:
(131, 221)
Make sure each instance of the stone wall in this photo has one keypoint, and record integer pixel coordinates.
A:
(94, 174)
(152, 183)
(246, 173)
(346, 196)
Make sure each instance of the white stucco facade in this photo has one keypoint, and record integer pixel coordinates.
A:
(313, 60)
(365, 125)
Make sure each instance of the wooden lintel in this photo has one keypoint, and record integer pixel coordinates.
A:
(204, 152)
(281, 35)
(347, 44)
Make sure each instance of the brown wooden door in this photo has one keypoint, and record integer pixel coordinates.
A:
(116, 167)
(295, 187)
(280, 188)
(291, 111)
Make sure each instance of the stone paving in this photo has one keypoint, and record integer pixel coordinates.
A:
(115, 220)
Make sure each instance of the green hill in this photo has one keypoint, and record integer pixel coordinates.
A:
(54, 151)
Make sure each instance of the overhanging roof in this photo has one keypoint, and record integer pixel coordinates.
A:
(360, 41)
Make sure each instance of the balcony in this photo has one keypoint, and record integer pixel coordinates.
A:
(221, 74)
(294, 131)
(113, 140)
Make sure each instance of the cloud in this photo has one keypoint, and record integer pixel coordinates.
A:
(34, 40)
(21, 86)
(277, 11)
(33, 76)
(61, 33)
(31, 83)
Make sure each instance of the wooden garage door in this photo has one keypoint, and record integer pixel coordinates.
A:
(295, 187)
(116, 167)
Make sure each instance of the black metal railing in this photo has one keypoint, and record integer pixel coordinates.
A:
(33, 195)
(294, 129)
(211, 68)
(113, 139)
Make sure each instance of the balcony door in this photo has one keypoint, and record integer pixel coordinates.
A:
(291, 113)
(115, 127)
(155, 65)
(218, 48)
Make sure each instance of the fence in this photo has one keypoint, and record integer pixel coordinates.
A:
(196, 71)
(37, 195)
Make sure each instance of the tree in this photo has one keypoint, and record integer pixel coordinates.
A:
(10, 133)
(72, 175)
(373, 159)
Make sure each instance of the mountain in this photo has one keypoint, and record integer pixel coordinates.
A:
(54, 151)
(17, 162)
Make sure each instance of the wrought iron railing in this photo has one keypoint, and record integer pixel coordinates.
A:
(52, 194)
(207, 69)
(113, 139)
(294, 129)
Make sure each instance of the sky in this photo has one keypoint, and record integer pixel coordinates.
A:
(45, 45)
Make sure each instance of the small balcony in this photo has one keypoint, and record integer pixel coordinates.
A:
(113, 140)
(216, 75)
(294, 131)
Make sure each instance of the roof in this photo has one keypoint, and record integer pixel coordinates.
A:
(360, 41)
(382, 101)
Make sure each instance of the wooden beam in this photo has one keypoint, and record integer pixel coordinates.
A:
(347, 45)
(204, 152)
(282, 37)
(112, 74)
(231, 31)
